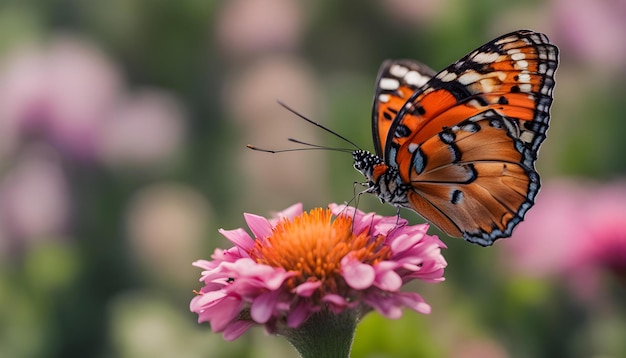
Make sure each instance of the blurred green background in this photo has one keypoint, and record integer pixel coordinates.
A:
(123, 127)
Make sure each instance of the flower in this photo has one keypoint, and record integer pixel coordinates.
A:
(146, 129)
(581, 231)
(35, 201)
(337, 260)
(61, 91)
(70, 94)
(585, 30)
(252, 27)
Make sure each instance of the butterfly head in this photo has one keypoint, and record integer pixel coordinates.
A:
(365, 162)
(382, 180)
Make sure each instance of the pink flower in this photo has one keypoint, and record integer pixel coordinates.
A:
(35, 203)
(62, 91)
(587, 30)
(576, 230)
(144, 130)
(250, 27)
(299, 264)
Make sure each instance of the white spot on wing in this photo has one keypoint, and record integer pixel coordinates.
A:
(398, 70)
(527, 136)
(487, 85)
(389, 84)
(416, 79)
(486, 57)
(413, 147)
(506, 39)
(518, 56)
(474, 103)
(469, 77)
(521, 65)
(524, 77)
(446, 76)
(384, 98)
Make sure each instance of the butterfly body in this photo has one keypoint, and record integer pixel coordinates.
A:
(459, 146)
(382, 180)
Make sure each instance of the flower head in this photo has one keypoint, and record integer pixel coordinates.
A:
(580, 228)
(299, 264)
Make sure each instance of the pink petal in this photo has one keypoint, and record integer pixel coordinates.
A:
(385, 306)
(363, 223)
(414, 301)
(239, 237)
(388, 281)
(263, 307)
(299, 313)
(335, 299)
(357, 275)
(337, 303)
(260, 226)
(204, 264)
(277, 278)
(236, 329)
(289, 214)
(341, 209)
(404, 241)
(308, 288)
(221, 315)
(203, 301)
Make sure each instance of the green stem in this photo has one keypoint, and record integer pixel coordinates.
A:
(324, 335)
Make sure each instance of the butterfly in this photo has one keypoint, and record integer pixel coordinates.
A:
(459, 146)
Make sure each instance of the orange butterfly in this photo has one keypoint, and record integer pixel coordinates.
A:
(459, 146)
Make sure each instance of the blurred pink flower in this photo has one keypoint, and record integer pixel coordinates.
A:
(298, 264)
(575, 230)
(166, 224)
(83, 85)
(34, 197)
(62, 91)
(592, 30)
(70, 94)
(145, 130)
(252, 26)
(261, 121)
(415, 12)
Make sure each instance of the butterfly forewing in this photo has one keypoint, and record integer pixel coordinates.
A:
(513, 74)
(396, 82)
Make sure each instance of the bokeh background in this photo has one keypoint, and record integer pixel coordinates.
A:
(123, 127)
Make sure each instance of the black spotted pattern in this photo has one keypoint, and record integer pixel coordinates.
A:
(402, 131)
(457, 196)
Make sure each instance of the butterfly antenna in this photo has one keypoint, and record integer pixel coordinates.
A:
(318, 125)
(317, 146)
(311, 147)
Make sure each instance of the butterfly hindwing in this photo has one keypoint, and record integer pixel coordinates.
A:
(475, 179)
(396, 82)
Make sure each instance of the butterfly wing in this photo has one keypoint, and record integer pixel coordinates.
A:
(396, 82)
(475, 179)
(468, 139)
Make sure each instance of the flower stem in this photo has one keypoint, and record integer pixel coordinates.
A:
(324, 335)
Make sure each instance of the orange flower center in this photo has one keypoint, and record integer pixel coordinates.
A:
(313, 245)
